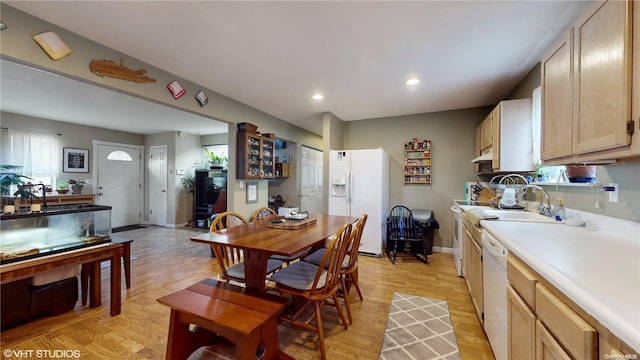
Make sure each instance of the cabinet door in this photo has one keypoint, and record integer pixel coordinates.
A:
(266, 158)
(476, 284)
(557, 76)
(467, 243)
(486, 133)
(477, 150)
(602, 77)
(521, 328)
(547, 348)
(496, 129)
(248, 156)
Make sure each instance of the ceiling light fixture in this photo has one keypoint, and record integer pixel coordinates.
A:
(318, 97)
(412, 82)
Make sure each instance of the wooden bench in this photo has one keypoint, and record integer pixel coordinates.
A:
(248, 319)
(89, 268)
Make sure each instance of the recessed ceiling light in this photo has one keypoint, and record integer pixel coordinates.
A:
(318, 97)
(412, 82)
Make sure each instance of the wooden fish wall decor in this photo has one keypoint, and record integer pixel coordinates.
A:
(109, 68)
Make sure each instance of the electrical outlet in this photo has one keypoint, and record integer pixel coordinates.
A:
(613, 195)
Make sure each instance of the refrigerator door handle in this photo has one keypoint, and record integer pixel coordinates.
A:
(351, 179)
(348, 186)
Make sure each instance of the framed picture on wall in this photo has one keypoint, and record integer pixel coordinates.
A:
(75, 160)
(252, 193)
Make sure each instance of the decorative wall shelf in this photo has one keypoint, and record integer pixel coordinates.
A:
(417, 162)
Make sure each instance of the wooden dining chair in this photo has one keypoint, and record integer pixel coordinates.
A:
(225, 220)
(264, 215)
(349, 273)
(349, 268)
(231, 259)
(309, 283)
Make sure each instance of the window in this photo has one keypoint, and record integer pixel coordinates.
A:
(37, 153)
(119, 155)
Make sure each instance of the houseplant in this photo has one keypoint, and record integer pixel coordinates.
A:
(8, 178)
(62, 187)
(76, 186)
(215, 159)
(188, 182)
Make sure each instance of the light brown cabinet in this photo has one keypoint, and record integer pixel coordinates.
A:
(255, 156)
(507, 133)
(521, 328)
(587, 81)
(547, 348)
(540, 324)
(557, 93)
(486, 133)
(472, 267)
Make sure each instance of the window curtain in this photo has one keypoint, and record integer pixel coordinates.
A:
(37, 153)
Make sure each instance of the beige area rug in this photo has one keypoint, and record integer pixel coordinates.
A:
(418, 328)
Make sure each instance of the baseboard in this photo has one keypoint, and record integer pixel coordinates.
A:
(443, 249)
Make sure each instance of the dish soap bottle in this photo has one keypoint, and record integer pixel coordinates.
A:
(561, 213)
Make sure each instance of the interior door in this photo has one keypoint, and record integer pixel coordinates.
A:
(311, 180)
(158, 185)
(119, 181)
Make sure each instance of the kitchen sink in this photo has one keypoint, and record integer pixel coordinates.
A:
(523, 216)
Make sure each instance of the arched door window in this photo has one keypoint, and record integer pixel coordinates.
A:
(119, 155)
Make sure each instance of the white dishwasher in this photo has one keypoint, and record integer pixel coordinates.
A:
(494, 281)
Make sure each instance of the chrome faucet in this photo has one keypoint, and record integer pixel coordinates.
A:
(543, 209)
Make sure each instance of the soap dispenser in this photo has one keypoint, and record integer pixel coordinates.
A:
(561, 213)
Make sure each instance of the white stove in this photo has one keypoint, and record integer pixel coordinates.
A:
(457, 209)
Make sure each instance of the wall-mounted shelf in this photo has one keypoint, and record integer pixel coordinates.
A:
(417, 162)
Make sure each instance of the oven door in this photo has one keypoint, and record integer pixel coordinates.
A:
(457, 238)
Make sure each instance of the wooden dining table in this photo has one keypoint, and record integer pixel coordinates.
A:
(259, 241)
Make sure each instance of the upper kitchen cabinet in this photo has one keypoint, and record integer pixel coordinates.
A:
(588, 77)
(486, 133)
(557, 85)
(508, 127)
(255, 156)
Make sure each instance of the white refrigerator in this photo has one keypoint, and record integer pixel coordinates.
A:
(358, 184)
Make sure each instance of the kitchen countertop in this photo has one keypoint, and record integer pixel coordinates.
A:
(598, 270)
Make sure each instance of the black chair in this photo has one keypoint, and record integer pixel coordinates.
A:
(403, 231)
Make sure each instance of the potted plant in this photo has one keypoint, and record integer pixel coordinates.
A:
(62, 187)
(188, 182)
(76, 186)
(9, 178)
(215, 159)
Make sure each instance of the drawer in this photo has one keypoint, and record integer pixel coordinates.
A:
(578, 337)
(522, 280)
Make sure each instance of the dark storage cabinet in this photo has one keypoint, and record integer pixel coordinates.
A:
(209, 195)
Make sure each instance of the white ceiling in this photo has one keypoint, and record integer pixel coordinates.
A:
(274, 56)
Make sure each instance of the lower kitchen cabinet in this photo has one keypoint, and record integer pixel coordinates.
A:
(472, 267)
(543, 324)
(547, 348)
(521, 328)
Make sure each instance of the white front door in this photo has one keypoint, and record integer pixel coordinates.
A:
(311, 180)
(119, 181)
(158, 185)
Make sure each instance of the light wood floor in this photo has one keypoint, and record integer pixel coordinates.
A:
(167, 261)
